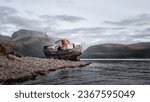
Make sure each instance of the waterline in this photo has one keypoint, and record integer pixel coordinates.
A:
(115, 59)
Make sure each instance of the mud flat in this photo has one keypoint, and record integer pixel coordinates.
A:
(25, 68)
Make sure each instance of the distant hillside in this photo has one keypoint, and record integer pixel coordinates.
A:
(29, 43)
(138, 50)
(4, 38)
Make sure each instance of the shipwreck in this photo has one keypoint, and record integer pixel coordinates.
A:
(63, 49)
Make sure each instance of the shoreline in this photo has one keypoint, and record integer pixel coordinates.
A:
(28, 68)
(115, 59)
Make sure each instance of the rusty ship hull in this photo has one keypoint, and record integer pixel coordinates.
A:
(72, 54)
(63, 49)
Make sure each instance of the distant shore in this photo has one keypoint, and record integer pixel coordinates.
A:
(26, 68)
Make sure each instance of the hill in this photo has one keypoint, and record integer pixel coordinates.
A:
(4, 38)
(138, 50)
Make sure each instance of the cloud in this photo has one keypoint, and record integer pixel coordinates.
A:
(69, 18)
(29, 12)
(7, 11)
(64, 2)
(7, 0)
(62, 18)
(144, 34)
(88, 30)
(90, 35)
(11, 20)
(136, 29)
(124, 31)
(140, 20)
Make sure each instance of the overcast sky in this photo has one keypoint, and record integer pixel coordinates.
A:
(82, 21)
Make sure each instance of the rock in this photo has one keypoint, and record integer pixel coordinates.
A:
(13, 57)
(4, 50)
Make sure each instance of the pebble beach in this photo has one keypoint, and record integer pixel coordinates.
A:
(26, 68)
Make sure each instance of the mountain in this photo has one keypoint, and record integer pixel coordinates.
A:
(29, 42)
(4, 38)
(22, 33)
(138, 50)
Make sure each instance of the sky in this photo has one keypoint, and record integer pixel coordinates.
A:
(90, 22)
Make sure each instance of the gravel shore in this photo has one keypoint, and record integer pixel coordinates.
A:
(29, 67)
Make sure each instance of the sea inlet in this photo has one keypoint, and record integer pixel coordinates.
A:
(100, 72)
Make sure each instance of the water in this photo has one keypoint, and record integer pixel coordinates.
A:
(100, 72)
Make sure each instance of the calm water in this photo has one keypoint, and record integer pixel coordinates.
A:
(101, 72)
